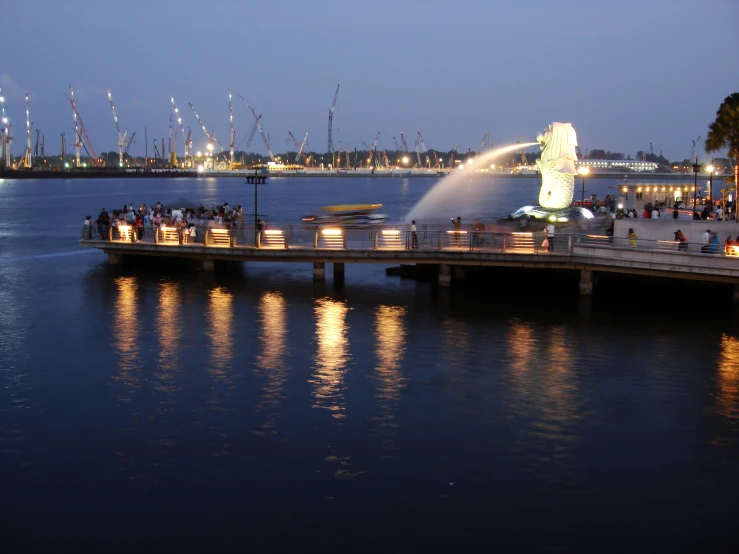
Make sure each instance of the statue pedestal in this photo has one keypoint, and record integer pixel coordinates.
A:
(573, 213)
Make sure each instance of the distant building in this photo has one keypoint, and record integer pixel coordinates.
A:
(617, 166)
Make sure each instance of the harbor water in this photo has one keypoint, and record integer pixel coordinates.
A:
(153, 408)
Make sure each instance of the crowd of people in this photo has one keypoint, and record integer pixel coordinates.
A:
(144, 220)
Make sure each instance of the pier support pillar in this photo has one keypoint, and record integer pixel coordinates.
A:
(445, 275)
(586, 282)
(319, 271)
(736, 295)
(338, 271)
(209, 265)
(114, 259)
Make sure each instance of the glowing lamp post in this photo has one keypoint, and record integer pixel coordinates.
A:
(583, 171)
(696, 169)
(709, 168)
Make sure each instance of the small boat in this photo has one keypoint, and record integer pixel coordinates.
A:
(347, 215)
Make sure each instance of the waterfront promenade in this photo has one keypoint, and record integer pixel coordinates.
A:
(451, 252)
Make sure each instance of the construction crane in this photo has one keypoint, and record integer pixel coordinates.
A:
(43, 149)
(232, 133)
(300, 151)
(27, 152)
(451, 155)
(64, 147)
(35, 149)
(252, 132)
(210, 136)
(7, 133)
(347, 155)
(259, 128)
(486, 143)
(651, 150)
(128, 143)
(694, 152)
(186, 138)
(77, 137)
(331, 122)
(80, 132)
(395, 144)
(299, 147)
(524, 160)
(425, 150)
(121, 137)
(402, 141)
(418, 154)
(375, 159)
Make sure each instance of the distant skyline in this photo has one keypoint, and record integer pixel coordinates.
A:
(624, 74)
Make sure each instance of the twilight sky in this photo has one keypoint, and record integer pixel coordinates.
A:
(623, 73)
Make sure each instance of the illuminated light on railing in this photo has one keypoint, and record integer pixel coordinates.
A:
(125, 232)
(331, 232)
(648, 189)
(457, 232)
(664, 189)
(390, 232)
(273, 232)
(626, 189)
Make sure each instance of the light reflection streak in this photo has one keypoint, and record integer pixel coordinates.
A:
(389, 347)
(168, 335)
(727, 378)
(544, 397)
(126, 333)
(332, 357)
(220, 317)
(271, 361)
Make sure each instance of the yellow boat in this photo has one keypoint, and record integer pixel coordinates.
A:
(347, 215)
(351, 208)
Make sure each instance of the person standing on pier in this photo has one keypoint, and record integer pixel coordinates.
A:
(457, 224)
(549, 233)
(414, 235)
(632, 238)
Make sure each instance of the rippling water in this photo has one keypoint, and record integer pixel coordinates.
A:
(264, 411)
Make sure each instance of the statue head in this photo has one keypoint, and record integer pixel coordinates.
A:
(558, 143)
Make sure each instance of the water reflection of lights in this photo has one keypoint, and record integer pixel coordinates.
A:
(331, 357)
(220, 315)
(389, 347)
(168, 334)
(271, 362)
(727, 378)
(126, 332)
(543, 395)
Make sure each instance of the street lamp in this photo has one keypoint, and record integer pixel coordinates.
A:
(696, 169)
(709, 168)
(583, 171)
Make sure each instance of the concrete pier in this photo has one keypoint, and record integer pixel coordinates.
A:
(586, 282)
(319, 271)
(338, 271)
(114, 259)
(209, 265)
(445, 275)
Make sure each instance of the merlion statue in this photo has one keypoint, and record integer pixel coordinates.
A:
(557, 165)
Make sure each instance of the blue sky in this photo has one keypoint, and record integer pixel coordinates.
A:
(624, 73)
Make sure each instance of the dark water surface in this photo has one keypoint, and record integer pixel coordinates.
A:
(157, 409)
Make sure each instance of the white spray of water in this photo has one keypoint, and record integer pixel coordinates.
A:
(445, 195)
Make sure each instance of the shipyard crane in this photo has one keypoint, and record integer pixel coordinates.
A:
(172, 144)
(395, 144)
(64, 147)
(43, 149)
(81, 132)
(486, 143)
(186, 138)
(694, 153)
(425, 150)
(418, 154)
(331, 122)
(250, 138)
(35, 148)
(651, 150)
(27, 152)
(375, 159)
(259, 128)
(451, 155)
(7, 133)
(300, 151)
(77, 137)
(129, 142)
(524, 160)
(232, 133)
(210, 136)
(402, 141)
(298, 146)
(121, 137)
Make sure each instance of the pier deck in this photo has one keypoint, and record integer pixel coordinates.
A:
(446, 249)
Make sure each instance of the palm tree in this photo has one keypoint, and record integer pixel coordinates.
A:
(724, 132)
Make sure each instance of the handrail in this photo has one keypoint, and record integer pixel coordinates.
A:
(392, 238)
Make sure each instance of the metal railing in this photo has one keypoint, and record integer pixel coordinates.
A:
(388, 239)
